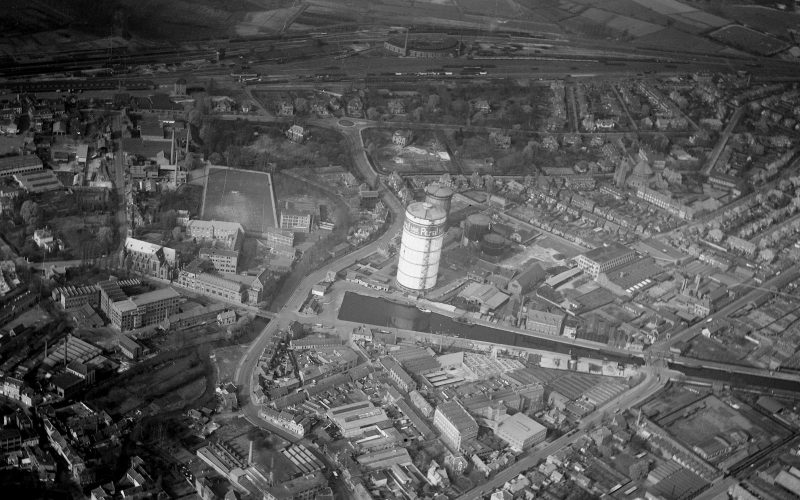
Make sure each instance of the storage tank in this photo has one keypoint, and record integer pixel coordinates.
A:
(493, 244)
(476, 227)
(421, 246)
(439, 196)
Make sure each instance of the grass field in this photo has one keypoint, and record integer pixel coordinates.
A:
(241, 196)
(761, 18)
(749, 40)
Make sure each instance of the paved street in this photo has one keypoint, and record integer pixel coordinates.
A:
(723, 140)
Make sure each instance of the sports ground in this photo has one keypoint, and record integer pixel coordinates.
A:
(243, 196)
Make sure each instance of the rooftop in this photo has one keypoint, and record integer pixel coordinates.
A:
(220, 281)
(38, 181)
(216, 225)
(635, 273)
(607, 253)
(426, 211)
(139, 246)
(544, 317)
(20, 161)
(520, 426)
(456, 415)
(484, 293)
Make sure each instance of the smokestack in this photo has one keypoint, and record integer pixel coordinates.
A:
(250, 454)
(45, 348)
(66, 344)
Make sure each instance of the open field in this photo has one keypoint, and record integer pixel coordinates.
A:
(711, 416)
(671, 37)
(243, 196)
(184, 20)
(624, 24)
(672, 398)
(749, 40)
(770, 21)
(226, 359)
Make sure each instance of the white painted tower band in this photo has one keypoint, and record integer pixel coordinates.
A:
(421, 246)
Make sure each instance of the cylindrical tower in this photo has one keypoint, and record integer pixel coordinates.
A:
(421, 246)
(439, 196)
(493, 244)
(476, 226)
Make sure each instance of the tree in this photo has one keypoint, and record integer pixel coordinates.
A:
(301, 105)
(767, 255)
(30, 212)
(216, 159)
(638, 470)
(715, 235)
(105, 237)
(176, 233)
(168, 218)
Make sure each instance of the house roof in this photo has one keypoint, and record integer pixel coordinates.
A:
(128, 343)
(530, 276)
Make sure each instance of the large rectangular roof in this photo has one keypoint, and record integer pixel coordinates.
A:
(607, 253)
(139, 246)
(520, 426)
(215, 225)
(19, 161)
(457, 415)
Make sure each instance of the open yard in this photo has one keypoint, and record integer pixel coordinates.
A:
(671, 399)
(243, 196)
(712, 416)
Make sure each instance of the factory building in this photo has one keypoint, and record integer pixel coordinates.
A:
(605, 258)
(421, 246)
(356, 418)
(521, 432)
(455, 424)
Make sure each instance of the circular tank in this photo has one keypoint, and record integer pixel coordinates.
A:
(493, 244)
(439, 196)
(421, 246)
(477, 226)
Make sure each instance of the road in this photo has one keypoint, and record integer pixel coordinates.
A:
(723, 140)
(246, 366)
